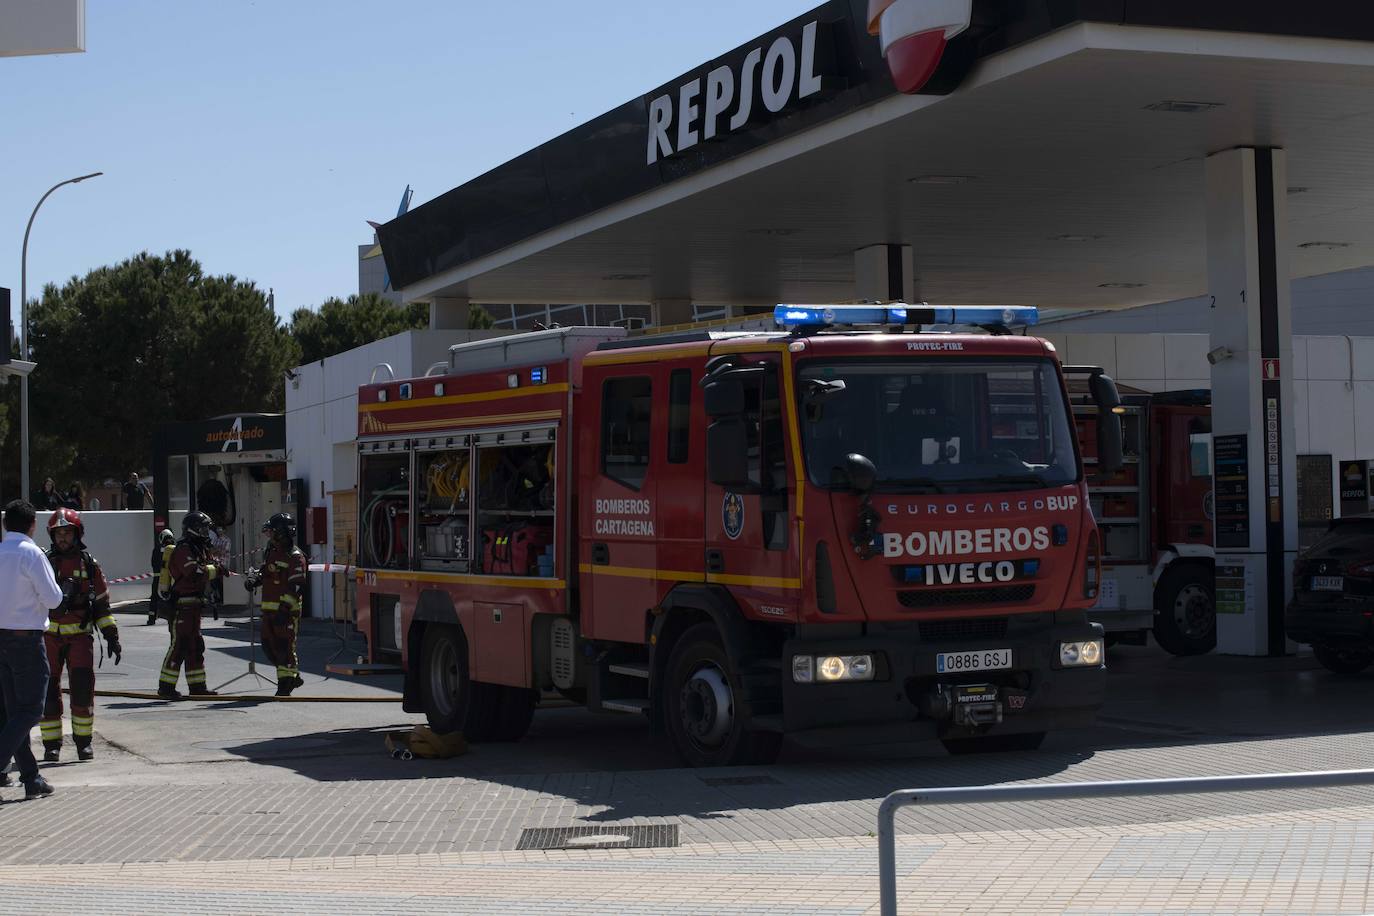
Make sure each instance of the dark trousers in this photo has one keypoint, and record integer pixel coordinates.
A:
(187, 648)
(23, 687)
(77, 653)
(279, 642)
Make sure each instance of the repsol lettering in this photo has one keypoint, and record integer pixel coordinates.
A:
(964, 541)
(764, 83)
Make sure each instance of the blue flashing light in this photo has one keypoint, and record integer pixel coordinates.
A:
(913, 573)
(1030, 567)
(1060, 535)
(819, 316)
(538, 375)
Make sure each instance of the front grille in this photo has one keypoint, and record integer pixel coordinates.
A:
(974, 628)
(952, 597)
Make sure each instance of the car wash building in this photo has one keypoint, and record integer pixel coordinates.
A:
(1070, 154)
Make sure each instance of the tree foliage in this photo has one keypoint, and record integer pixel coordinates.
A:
(148, 341)
(339, 325)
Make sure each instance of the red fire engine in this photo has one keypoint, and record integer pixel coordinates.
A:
(1155, 515)
(841, 530)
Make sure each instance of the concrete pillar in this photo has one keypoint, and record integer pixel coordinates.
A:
(1255, 470)
(666, 312)
(448, 313)
(885, 273)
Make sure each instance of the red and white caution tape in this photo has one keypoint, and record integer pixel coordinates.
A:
(340, 568)
(143, 577)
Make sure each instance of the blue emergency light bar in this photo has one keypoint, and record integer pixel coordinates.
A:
(821, 316)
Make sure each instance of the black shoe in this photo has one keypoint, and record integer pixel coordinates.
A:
(202, 692)
(152, 619)
(37, 788)
(52, 754)
(85, 753)
(167, 692)
(5, 781)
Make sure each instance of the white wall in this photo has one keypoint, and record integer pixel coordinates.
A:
(322, 420)
(123, 544)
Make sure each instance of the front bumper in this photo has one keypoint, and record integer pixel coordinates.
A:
(1035, 694)
(1339, 622)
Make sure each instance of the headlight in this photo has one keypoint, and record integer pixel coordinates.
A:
(831, 669)
(1078, 654)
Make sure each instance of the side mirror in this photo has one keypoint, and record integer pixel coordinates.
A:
(862, 474)
(723, 397)
(1110, 447)
(727, 452)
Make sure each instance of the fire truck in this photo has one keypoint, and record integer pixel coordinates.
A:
(1155, 516)
(842, 528)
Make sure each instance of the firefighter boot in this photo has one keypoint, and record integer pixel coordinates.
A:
(200, 690)
(85, 751)
(167, 692)
(52, 752)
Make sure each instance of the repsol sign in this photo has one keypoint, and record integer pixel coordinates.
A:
(767, 81)
(963, 541)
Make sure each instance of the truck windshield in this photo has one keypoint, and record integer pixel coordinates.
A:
(952, 425)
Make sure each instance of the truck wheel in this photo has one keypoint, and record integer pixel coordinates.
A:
(994, 744)
(1343, 661)
(701, 708)
(1186, 610)
(445, 688)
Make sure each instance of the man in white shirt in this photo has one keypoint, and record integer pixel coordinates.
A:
(28, 590)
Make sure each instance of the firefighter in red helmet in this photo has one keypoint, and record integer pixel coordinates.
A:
(85, 607)
(282, 577)
(190, 572)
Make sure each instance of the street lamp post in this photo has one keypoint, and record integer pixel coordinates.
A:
(24, 491)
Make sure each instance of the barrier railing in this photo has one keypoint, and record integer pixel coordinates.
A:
(887, 811)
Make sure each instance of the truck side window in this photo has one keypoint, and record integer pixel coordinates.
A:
(679, 415)
(767, 456)
(625, 422)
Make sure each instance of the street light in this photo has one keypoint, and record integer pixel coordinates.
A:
(24, 337)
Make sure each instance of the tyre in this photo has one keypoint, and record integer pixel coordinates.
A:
(1186, 610)
(994, 744)
(446, 691)
(705, 721)
(1343, 661)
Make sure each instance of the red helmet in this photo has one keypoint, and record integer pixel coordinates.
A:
(64, 518)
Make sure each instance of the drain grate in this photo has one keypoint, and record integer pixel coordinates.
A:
(655, 836)
(739, 780)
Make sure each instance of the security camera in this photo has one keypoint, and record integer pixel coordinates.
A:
(1220, 354)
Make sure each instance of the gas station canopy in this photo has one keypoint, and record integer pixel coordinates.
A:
(1054, 157)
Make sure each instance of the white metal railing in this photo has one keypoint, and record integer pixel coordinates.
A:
(887, 811)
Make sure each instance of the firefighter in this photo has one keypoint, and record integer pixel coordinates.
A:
(189, 573)
(282, 577)
(85, 606)
(162, 552)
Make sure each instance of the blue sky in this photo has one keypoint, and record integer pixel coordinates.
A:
(261, 135)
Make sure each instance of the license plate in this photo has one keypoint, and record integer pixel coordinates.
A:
(1328, 583)
(981, 660)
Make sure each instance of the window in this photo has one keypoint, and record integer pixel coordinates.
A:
(767, 456)
(1200, 454)
(679, 415)
(625, 412)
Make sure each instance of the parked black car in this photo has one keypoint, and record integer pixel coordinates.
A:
(1333, 596)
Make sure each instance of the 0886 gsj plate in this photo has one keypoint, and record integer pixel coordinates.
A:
(979, 660)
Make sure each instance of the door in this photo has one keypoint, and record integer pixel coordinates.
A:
(748, 535)
(617, 510)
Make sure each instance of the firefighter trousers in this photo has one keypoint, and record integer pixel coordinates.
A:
(187, 648)
(279, 642)
(77, 652)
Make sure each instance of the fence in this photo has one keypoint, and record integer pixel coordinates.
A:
(887, 811)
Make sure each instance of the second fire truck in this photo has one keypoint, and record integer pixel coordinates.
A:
(843, 530)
